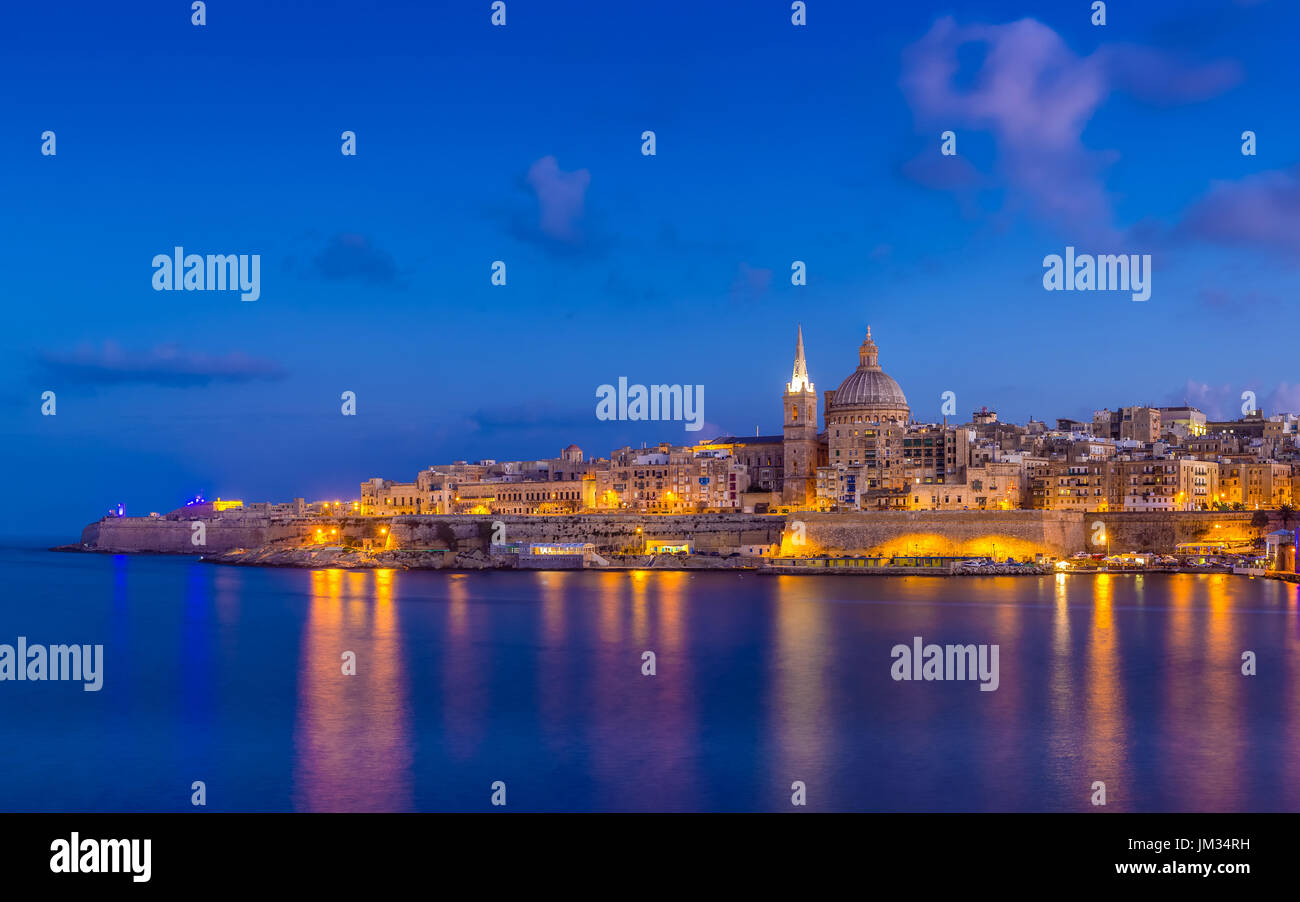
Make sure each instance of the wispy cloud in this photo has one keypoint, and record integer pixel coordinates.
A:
(1259, 211)
(750, 284)
(1036, 96)
(1284, 398)
(533, 417)
(1215, 400)
(561, 199)
(554, 215)
(1224, 402)
(166, 365)
(352, 257)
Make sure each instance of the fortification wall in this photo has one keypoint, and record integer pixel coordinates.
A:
(982, 533)
(152, 534)
(1161, 532)
(951, 533)
(608, 532)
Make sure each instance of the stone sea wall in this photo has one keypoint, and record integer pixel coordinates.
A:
(150, 534)
(1019, 534)
(610, 533)
(1161, 532)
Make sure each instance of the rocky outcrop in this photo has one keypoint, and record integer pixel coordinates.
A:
(683, 562)
(355, 559)
(972, 568)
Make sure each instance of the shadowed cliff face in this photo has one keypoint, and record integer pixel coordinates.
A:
(90, 535)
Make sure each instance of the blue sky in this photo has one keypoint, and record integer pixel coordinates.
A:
(475, 143)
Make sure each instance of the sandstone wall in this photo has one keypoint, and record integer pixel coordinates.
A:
(610, 533)
(150, 534)
(1161, 532)
(950, 533)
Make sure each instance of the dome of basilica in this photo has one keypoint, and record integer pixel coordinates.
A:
(869, 386)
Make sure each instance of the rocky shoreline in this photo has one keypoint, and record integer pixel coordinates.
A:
(438, 559)
(348, 558)
(972, 569)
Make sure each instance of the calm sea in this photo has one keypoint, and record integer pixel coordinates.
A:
(234, 677)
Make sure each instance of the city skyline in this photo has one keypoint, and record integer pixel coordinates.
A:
(819, 144)
(802, 381)
(687, 406)
(856, 447)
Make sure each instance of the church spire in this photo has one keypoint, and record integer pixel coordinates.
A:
(799, 381)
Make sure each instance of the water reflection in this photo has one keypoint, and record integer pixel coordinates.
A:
(650, 720)
(1132, 682)
(1289, 602)
(198, 663)
(1104, 739)
(352, 737)
(1206, 774)
(799, 714)
(1062, 697)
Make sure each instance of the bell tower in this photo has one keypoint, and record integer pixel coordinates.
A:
(799, 485)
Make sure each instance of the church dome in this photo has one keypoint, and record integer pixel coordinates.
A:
(869, 389)
(869, 386)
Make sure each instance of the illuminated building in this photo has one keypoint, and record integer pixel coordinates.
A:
(800, 441)
(1183, 422)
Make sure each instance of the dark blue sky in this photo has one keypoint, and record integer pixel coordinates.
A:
(522, 144)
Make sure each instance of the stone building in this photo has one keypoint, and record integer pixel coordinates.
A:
(1080, 485)
(997, 485)
(1137, 423)
(670, 480)
(866, 418)
(1165, 484)
(1266, 484)
(762, 456)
